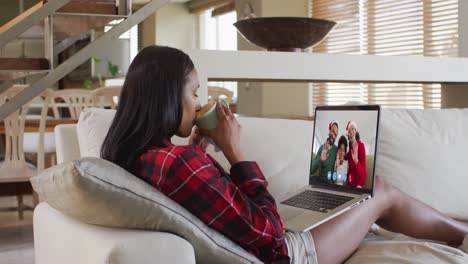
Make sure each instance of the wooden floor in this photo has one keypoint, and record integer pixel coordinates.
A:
(16, 237)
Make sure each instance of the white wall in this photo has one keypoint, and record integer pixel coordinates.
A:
(285, 98)
(285, 8)
(176, 27)
(249, 94)
(148, 30)
(118, 53)
(273, 98)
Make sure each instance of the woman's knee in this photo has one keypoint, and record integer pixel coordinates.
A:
(386, 190)
(383, 196)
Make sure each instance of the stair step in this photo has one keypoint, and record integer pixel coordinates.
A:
(24, 64)
(89, 7)
(74, 25)
(67, 25)
(95, 16)
(74, 18)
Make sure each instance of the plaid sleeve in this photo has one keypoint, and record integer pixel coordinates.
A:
(249, 178)
(239, 206)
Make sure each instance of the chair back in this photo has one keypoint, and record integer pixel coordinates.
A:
(14, 130)
(107, 96)
(14, 171)
(74, 99)
(46, 97)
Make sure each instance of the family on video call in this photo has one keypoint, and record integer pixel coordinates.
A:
(343, 163)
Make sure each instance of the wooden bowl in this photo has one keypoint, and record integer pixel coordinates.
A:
(284, 33)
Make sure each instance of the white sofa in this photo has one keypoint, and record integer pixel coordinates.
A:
(421, 152)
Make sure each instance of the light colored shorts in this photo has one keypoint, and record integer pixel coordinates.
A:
(301, 247)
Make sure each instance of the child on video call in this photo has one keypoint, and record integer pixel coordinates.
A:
(341, 164)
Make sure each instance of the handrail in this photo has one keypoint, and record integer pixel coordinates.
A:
(32, 16)
(21, 16)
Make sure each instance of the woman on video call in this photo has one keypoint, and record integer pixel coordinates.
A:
(356, 157)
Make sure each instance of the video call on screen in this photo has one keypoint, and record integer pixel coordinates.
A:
(344, 147)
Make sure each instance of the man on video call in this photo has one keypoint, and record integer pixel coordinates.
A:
(326, 155)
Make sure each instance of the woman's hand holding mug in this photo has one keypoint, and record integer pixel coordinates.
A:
(226, 134)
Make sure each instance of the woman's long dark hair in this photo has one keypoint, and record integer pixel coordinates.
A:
(150, 106)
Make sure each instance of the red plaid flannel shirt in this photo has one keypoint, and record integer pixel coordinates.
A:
(237, 205)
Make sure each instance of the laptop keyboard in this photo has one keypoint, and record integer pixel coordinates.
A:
(317, 201)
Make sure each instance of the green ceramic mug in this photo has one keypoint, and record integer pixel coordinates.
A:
(207, 118)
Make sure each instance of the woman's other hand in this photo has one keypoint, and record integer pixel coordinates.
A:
(197, 139)
(226, 134)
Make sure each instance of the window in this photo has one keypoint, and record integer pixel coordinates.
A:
(218, 33)
(387, 27)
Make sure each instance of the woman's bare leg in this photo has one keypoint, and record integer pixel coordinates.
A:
(393, 210)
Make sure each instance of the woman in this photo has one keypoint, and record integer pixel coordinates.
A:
(356, 158)
(159, 100)
(341, 164)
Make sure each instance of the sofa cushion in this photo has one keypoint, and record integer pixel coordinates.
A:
(99, 192)
(387, 252)
(423, 152)
(92, 128)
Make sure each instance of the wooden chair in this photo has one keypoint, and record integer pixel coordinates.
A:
(216, 92)
(74, 100)
(106, 96)
(15, 173)
(41, 144)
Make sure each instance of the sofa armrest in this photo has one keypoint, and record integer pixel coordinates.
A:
(62, 239)
(66, 142)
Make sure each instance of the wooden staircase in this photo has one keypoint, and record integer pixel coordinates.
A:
(60, 23)
(68, 21)
(74, 18)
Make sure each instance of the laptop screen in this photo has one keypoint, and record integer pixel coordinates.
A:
(344, 147)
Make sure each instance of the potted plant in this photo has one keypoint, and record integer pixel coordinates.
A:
(112, 69)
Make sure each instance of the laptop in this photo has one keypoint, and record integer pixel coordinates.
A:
(342, 168)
